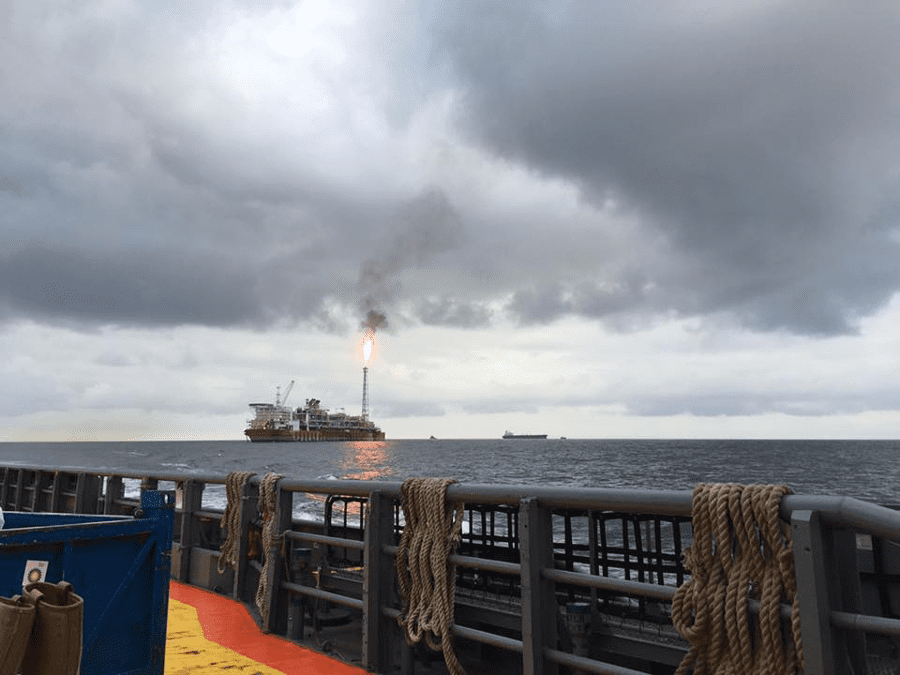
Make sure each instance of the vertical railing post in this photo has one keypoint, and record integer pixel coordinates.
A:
(20, 485)
(827, 579)
(277, 617)
(248, 511)
(378, 579)
(846, 575)
(115, 490)
(594, 563)
(191, 498)
(35, 505)
(4, 486)
(87, 493)
(539, 610)
(55, 490)
(812, 590)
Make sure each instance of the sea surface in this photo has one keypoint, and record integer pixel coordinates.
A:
(867, 470)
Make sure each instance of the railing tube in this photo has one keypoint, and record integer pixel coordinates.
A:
(318, 593)
(639, 588)
(340, 542)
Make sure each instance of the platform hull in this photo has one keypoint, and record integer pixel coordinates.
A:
(289, 436)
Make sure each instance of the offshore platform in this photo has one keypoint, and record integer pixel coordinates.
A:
(311, 422)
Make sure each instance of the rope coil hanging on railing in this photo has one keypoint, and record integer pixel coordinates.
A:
(741, 550)
(425, 576)
(268, 493)
(231, 519)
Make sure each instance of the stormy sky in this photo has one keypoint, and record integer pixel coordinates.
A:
(593, 219)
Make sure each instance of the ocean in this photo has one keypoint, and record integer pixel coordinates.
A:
(867, 470)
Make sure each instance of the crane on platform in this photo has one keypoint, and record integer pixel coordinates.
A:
(281, 400)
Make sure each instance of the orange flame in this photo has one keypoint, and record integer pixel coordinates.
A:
(368, 340)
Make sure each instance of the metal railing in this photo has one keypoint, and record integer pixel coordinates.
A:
(529, 555)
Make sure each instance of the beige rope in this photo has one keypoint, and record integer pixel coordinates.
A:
(231, 519)
(268, 493)
(741, 550)
(425, 576)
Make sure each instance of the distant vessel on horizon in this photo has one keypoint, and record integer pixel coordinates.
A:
(509, 434)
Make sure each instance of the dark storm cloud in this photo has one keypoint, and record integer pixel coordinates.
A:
(137, 188)
(137, 287)
(758, 139)
(546, 303)
(162, 166)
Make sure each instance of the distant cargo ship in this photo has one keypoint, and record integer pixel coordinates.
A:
(509, 434)
(309, 422)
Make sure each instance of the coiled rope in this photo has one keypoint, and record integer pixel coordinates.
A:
(741, 551)
(268, 493)
(231, 519)
(425, 576)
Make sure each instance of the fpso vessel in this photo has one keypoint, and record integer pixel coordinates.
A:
(309, 422)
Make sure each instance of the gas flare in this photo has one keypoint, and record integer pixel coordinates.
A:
(368, 340)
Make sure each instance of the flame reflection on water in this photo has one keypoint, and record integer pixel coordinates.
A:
(362, 460)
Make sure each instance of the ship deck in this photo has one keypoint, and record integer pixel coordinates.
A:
(530, 557)
(211, 633)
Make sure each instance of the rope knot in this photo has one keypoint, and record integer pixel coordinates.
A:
(268, 494)
(740, 551)
(425, 576)
(234, 486)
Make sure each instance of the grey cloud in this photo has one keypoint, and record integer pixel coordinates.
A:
(540, 305)
(449, 312)
(757, 140)
(728, 403)
(399, 408)
(505, 405)
(140, 287)
(752, 147)
(703, 404)
(546, 303)
(128, 197)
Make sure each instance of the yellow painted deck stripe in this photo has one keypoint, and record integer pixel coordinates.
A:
(188, 651)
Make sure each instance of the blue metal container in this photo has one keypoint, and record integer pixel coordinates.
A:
(118, 564)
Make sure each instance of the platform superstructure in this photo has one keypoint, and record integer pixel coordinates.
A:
(309, 422)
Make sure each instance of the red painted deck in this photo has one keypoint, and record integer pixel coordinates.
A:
(222, 636)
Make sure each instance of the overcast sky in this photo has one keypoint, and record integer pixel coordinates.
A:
(592, 219)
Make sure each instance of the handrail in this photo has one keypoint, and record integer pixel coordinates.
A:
(340, 542)
(844, 514)
(170, 477)
(865, 623)
(847, 511)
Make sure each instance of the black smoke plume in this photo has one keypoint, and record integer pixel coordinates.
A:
(425, 227)
(374, 320)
